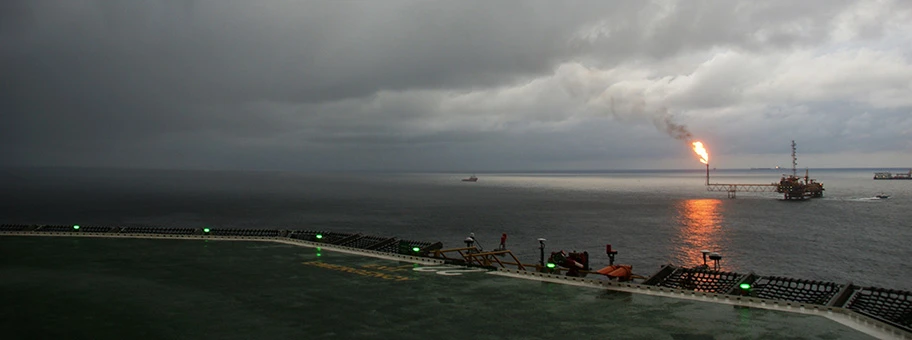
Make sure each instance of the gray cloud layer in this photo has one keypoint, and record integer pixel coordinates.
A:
(453, 85)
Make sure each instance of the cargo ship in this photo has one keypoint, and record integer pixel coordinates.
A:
(890, 175)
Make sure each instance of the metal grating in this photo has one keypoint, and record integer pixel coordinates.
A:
(245, 232)
(302, 235)
(15, 227)
(701, 280)
(804, 291)
(56, 228)
(328, 237)
(336, 238)
(407, 246)
(419, 244)
(390, 247)
(363, 242)
(157, 231)
(97, 229)
(894, 306)
(386, 245)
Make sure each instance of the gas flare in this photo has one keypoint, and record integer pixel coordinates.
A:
(701, 151)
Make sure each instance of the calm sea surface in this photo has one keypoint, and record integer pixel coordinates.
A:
(651, 218)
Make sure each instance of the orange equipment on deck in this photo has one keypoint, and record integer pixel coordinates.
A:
(622, 272)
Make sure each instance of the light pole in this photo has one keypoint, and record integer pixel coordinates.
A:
(541, 248)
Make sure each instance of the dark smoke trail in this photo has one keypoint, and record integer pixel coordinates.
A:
(660, 118)
(677, 131)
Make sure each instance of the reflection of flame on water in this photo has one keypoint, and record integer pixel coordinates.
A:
(701, 151)
(701, 225)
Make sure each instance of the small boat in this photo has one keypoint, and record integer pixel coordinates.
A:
(470, 179)
(882, 196)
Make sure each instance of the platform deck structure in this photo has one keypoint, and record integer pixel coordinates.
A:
(888, 310)
(733, 189)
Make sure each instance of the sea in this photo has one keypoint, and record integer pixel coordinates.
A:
(651, 217)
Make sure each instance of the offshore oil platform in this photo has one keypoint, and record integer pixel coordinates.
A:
(792, 187)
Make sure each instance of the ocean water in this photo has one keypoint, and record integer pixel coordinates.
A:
(651, 217)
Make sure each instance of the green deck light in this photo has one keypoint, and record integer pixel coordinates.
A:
(550, 265)
(206, 230)
(416, 249)
(319, 236)
(745, 286)
(76, 227)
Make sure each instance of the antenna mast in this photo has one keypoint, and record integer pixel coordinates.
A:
(794, 160)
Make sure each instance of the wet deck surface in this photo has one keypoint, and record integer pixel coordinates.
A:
(131, 288)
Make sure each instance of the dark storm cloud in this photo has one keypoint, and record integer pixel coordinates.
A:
(289, 51)
(380, 84)
(100, 72)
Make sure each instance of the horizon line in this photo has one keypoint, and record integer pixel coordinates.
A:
(696, 169)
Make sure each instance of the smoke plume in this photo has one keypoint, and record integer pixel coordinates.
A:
(660, 118)
(665, 122)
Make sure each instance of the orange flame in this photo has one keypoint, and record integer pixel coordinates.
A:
(701, 151)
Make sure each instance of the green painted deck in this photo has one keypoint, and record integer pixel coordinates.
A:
(58, 287)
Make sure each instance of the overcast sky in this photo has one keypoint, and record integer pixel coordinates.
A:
(454, 85)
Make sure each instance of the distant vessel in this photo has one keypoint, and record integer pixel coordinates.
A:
(890, 175)
(470, 179)
(776, 168)
(882, 196)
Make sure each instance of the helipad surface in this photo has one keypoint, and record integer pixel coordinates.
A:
(132, 288)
